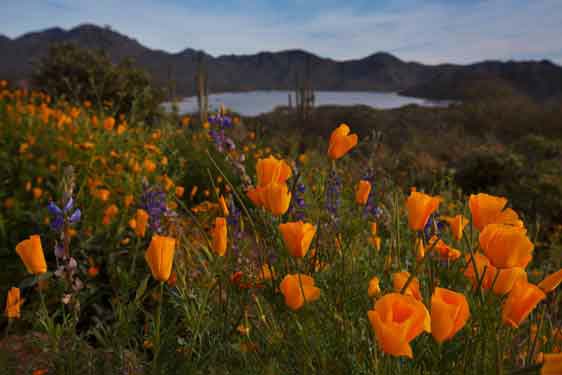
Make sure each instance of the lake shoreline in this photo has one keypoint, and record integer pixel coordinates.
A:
(259, 102)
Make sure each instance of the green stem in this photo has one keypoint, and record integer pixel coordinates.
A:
(418, 266)
(155, 364)
(135, 254)
(537, 334)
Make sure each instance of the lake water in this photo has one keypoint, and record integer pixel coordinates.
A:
(253, 103)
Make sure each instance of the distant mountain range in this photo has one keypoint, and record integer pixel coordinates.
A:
(278, 70)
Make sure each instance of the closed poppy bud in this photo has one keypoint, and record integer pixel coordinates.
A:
(149, 165)
(128, 200)
(37, 192)
(506, 279)
(449, 313)
(552, 364)
(399, 279)
(397, 319)
(297, 237)
(103, 194)
(420, 206)
(31, 253)
(298, 289)
(109, 123)
(445, 251)
(141, 222)
(551, 282)
(374, 229)
(185, 121)
(168, 182)
(179, 191)
(376, 241)
(457, 224)
(506, 246)
(219, 236)
(276, 198)
(374, 287)
(111, 211)
(522, 299)
(93, 271)
(160, 256)
(272, 170)
(223, 206)
(341, 142)
(121, 129)
(13, 304)
(362, 192)
(193, 191)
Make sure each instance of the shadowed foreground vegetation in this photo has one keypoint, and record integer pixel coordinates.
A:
(267, 246)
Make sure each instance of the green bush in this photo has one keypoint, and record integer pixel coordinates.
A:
(81, 75)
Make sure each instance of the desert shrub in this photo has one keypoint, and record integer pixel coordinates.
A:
(488, 169)
(529, 173)
(81, 75)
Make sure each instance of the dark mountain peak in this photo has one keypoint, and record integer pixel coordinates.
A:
(379, 71)
(90, 27)
(383, 57)
(52, 33)
(190, 52)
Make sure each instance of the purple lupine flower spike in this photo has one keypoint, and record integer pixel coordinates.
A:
(68, 206)
(54, 209)
(75, 217)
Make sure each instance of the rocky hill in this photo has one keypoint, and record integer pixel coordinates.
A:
(279, 70)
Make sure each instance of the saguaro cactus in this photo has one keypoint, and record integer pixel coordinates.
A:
(201, 79)
(304, 95)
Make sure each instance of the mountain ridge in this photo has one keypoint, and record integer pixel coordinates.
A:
(379, 71)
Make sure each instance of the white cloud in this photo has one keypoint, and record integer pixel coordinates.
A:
(427, 31)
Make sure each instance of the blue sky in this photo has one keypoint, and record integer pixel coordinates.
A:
(430, 31)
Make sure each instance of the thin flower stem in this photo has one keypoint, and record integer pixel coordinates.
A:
(534, 342)
(418, 267)
(157, 343)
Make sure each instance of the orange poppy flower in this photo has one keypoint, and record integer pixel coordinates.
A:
(362, 192)
(489, 209)
(522, 299)
(298, 289)
(31, 253)
(223, 206)
(276, 198)
(141, 222)
(397, 319)
(272, 170)
(506, 246)
(449, 313)
(551, 282)
(160, 256)
(457, 224)
(341, 142)
(420, 206)
(399, 279)
(374, 287)
(219, 236)
(13, 304)
(552, 364)
(297, 237)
